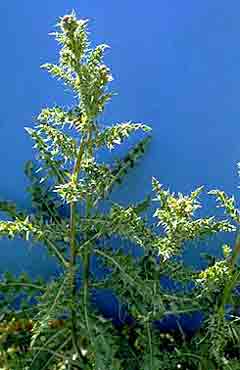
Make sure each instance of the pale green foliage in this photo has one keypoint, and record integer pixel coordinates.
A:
(63, 329)
(228, 203)
(20, 227)
(114, 135)
(175, 215)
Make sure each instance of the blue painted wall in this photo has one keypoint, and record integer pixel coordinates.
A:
(176, 67)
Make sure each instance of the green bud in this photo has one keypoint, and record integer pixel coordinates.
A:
(68, 23)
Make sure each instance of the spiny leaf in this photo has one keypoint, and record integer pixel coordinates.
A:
(121, 167)
(113, 136)
(228, 203)
(59, 143)
(59, 73)
(52, 166)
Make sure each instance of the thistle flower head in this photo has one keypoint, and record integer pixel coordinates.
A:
(68, 23)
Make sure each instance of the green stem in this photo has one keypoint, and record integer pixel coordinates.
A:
(59, 355)
(85, 143)
(150, 345)
(23, 285)
(73, 251)
(57, 253)
(235, 276)
(228, 291)
(236, 252)
(87, 251)
(128, 277)
(86, 264)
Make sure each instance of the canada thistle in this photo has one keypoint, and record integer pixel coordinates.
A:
(64, 328)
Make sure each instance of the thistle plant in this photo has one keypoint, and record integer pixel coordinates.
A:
(66, 141)
(57, 325)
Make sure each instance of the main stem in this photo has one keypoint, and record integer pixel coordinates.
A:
(87, 251)
(73, 250)
(85, 143)
(86, 272)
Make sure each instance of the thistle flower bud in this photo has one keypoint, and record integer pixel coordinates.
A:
(68, 23)
(105, 73)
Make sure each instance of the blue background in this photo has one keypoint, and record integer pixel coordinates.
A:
(176, 67)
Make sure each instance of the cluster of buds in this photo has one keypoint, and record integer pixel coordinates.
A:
(69, 23)
(15, 326)
(105, 74)
(67, 57)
